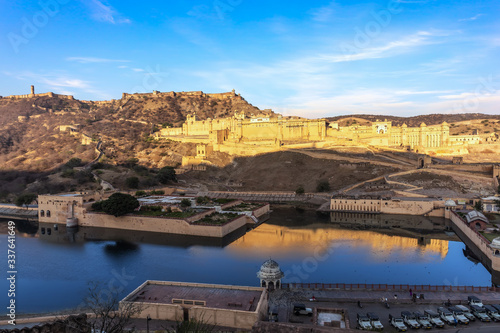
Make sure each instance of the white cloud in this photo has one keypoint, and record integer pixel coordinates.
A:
(390, 49)
(87, 60)
(473, 18)
(323, 14)
(138, 69)
(103, 12)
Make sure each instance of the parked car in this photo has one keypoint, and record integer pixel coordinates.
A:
(459, 315)
(480, 313)
(423, 320)
(434, 318)
(447, 316)
(363, 322)
(492, 312)
(466, 312)
(496, 306)
(375, 321)
(398, 323)
(410, 320)
(301, 310)
(473, 300)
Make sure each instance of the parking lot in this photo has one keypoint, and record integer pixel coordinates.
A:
(371, 302)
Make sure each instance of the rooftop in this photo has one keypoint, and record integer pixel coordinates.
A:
(213, 296)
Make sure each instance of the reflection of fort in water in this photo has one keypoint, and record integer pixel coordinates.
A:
(79, 235)
(367, 220)
(269, 238)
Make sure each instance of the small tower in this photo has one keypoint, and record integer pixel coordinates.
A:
(270, 275)
(32, 89)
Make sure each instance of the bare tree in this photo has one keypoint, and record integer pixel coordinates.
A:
(107, 316)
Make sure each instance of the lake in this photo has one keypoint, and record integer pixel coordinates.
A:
(54, 270)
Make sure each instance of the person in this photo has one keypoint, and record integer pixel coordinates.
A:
(395, 296)
(411, 292)
(313, 298)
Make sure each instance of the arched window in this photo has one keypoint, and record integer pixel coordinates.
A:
(42, 213)
(48, 213)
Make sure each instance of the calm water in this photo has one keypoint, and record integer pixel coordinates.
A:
(54, 270)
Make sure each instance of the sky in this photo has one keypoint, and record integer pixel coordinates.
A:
(308, 58)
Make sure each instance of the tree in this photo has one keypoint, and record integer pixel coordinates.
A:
(323, 186)
(119, 204)
(478, 206)
(186, 203)
(25, 199)
(167, 174)
(132, 182)
(74, 162)
(300, 190)
(108, 314)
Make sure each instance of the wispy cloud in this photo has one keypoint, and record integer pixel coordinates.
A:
(473, 18)
(103, 12)
(323, 14)
(87, 60)
(390, 49)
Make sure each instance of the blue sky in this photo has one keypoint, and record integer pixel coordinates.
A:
(308, 58)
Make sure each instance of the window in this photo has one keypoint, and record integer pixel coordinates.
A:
(48, 213)
(42, 213)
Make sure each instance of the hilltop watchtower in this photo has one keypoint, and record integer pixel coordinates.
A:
(32, 89)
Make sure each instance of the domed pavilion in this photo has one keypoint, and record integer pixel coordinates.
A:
(270, 275)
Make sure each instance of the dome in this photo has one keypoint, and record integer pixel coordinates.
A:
(270, 270)
(450, 203)
(495, 243)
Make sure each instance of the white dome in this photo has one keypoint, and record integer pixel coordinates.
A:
(495, 243)
(270, 270)
(450, 203)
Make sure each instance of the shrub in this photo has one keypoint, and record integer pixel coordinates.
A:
(323, 186)
(140, 193)
(300, 190)
(97, 206)
(74, 162)
(185, 203)
(119, 204)
(202, 200)
(83, 176)
(132, 182)
(167, 174)
(157, 192)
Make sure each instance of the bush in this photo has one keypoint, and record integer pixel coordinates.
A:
(186, 203)
(158, 192)
(119, 204)
(97, 206)
(202, 200)
(166, 174)
(74, 162)
(300, 190)
(140, 193)
(68, 173)
(132, 182)
(323, 186)
(84, 176)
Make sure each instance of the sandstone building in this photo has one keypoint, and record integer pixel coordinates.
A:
(244, 135)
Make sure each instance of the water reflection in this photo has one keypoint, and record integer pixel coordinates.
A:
(80, 235)
(285, 241)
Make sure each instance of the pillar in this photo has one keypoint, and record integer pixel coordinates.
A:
(32, 89)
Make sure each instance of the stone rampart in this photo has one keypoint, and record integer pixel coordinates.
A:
(479, 241)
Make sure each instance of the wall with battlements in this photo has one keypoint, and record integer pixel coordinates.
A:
(275, 130)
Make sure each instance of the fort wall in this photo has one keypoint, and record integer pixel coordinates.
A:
(492, 260)
(392, 206)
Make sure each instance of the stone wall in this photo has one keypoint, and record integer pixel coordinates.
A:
(215, 316)
(393, 206)
(479, 241)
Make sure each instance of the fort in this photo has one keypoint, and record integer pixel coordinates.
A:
(33, 95)
(247, 136)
